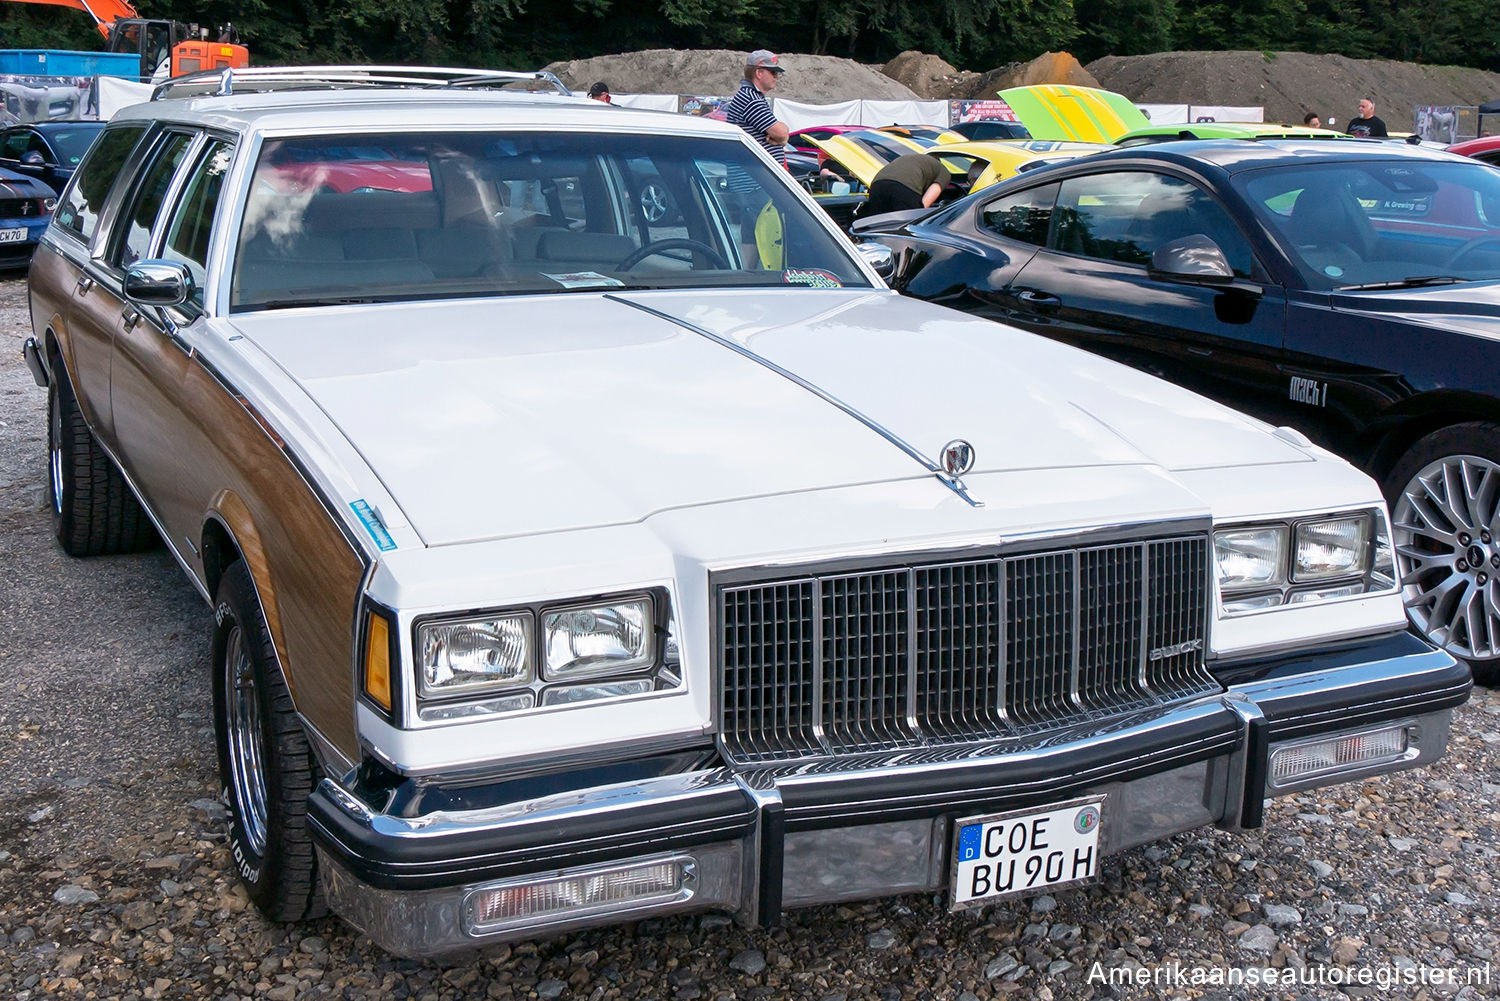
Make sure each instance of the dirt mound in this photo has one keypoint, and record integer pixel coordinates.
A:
(933, 78)
(1049, 67)
(929, 76)
(1290, 84)
(717, 72)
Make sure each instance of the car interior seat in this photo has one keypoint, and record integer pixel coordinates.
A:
(1329, 228)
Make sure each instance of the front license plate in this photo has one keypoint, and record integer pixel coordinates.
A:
(13, 235)
(1006, 854)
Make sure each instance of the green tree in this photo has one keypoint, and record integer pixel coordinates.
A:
(1124, 27)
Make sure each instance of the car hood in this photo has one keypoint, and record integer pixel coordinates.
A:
(1471, 306)
(1086, 114)
(486, 419)
(15, 185)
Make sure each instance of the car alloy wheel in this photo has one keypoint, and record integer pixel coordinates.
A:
(655, 202)
(245, 740)
(1448, 554)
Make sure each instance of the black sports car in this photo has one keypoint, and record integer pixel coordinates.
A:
(47, 151)
(1349, 290)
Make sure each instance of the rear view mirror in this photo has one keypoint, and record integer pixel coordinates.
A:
(877, 256)
(1193, 259)
(158, 283)
(32, 158)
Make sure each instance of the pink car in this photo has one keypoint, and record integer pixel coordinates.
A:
(1486, 148)
(798, 140)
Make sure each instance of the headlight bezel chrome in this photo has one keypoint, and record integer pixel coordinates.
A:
(660, 665)
(1293, 584)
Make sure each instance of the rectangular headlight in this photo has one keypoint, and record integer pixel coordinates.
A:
(477, 654)
(1250, 557)
(1337, 547)
(591, 640)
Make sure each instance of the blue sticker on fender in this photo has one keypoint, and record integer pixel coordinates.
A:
(372, 523)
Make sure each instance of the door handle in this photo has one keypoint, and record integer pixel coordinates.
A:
(84, 284)
(130, 317)
(1038, 300)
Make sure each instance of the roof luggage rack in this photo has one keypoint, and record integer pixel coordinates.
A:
(257, 79)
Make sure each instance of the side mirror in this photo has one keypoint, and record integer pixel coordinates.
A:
(32, 158)
(879, 257)
(1195, 259)
(158, 283)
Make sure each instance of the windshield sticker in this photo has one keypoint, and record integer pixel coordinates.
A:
(811, 278)
(370, 518)
(585, 279)
(1334, 271)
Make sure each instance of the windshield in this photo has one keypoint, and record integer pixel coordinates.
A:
(1382, 223)
(74, 141)
(444, 214)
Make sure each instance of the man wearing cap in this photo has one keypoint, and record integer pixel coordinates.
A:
(750, 110)
(600, 92)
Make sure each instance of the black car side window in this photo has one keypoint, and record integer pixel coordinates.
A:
(1127, 216)
(192, 222)
(15, 144)
(145, 205)
(1023, 216)
(78, 211)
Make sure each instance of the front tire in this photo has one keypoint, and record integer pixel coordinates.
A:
(1444, 496)
(93, 510)
(265, 763)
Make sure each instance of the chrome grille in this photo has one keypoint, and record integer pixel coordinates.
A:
(928, 654)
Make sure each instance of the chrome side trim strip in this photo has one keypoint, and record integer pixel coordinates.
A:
(953, 483)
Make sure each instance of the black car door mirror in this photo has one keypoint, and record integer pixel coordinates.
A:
(1195, 259)
(32, 158)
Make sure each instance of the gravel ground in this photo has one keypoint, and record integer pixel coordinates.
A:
(115, 881)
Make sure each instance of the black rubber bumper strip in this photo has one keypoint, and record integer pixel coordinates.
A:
(527, 844)
(1429, 682)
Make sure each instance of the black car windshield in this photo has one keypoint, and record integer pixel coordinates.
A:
(446, 214)
(1383, 223)
(72, 141)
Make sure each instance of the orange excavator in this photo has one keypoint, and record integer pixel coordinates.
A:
(183, 48)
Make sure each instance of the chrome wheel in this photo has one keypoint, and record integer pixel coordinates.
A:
(655, 202)
(246, 757)
(1447, 542)
(54, 450)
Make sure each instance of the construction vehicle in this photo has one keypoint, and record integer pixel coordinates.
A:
(165, 47)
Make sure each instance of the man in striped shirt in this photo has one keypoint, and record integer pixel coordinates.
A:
(750, 110)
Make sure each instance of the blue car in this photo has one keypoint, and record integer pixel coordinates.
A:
(26, 207)
(1348, 290)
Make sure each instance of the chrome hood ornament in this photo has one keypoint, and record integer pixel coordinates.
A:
(958, 457)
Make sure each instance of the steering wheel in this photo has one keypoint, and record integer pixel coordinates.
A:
(673, 243)
(1464, 249)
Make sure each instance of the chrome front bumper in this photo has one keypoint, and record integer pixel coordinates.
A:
(751, 842)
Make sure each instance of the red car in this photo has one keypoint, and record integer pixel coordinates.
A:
(1486, 148)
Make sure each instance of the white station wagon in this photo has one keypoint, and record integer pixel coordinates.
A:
(571, 565)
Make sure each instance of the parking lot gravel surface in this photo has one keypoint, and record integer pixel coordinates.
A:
(115, 881)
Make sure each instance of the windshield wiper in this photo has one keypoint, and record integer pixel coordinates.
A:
(352, 300)
(1412, 281)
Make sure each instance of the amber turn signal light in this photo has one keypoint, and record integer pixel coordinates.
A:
(378, 660)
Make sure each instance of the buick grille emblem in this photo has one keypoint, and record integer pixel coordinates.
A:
(958, 457)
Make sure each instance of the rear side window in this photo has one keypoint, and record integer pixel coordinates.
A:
(188, 233)
(1023, 216)
(140, 216)
(78, 212)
